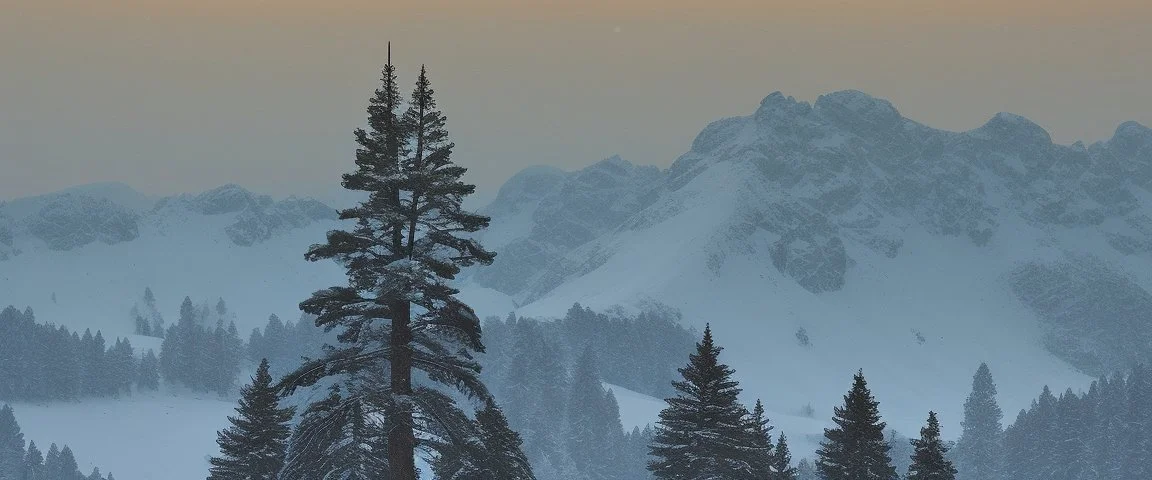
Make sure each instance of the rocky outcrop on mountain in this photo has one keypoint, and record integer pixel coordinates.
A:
(229, 198)
(113, 213)
(259, 223)
(850, 169)
(1093, 316)
(257, 218)
(551, 213)
(812, 189)
(72, 221)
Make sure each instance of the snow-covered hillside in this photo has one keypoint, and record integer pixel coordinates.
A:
(910, 252)
(225, 243)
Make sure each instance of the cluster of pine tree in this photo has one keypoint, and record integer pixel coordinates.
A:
(149, 321)
(285, 344)
(643, 349)
(546, 375)
(44, 362)
(20, 463)
(200, 357)
(705, 432)
(1104, 434)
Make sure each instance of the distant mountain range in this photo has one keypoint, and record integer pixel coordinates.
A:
(911, 252)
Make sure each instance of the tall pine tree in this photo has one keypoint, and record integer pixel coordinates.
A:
(856, 449)
(33, 463)
(762, 458)
(980, 452)
(11, 446)
(703, 431)
(253, 447)
(783, 460)
(148, 377)
(928, 460)
(411, 237)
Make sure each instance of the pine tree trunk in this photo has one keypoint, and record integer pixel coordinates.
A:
(401, 439)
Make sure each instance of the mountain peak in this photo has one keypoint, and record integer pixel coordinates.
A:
(1130, 138)
(1014, 128)
(613, 163)
(777, 105)
(856, 107)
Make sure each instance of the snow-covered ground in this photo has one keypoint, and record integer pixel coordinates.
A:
(160, 436)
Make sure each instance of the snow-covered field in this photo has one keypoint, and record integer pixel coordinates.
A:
(161, 436)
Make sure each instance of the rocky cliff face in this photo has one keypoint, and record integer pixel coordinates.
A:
(112, 213)
(812, 189)
(72, 221)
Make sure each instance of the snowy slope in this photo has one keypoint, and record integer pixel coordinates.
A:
(179, 251)
(143, 437)
(910, 252)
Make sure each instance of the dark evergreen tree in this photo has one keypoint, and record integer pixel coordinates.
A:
(149, 375)
(593, 430)
(68, 468)
(253, 448)
(1137, 432)
(34, 463)
(11, 446)
(492, 451)
(143, 327)
(856, 449)
(123, 370)
(783, 461)
(411, 238)
(702, 433)
(980, 452)
(929, 461)
(761, 458)
(52, 464)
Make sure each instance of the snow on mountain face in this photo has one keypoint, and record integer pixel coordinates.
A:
(542, 214)
(913, 252)
(81, 262)
(84, 215)
(72, 221)
(258, 218)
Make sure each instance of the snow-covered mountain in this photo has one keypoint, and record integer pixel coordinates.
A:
(910, 252)
(83, 257)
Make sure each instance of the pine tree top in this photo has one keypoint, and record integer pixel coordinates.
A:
(856, 448)
(929, 459)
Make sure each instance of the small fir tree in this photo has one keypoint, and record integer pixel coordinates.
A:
(856, 449)
(253, 447)
(929, 461)
(702, 433)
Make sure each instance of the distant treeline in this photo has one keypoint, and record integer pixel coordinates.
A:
(640, 352)
(547, 374)
(45, 362)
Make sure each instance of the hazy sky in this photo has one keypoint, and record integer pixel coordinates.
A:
(183, 95)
